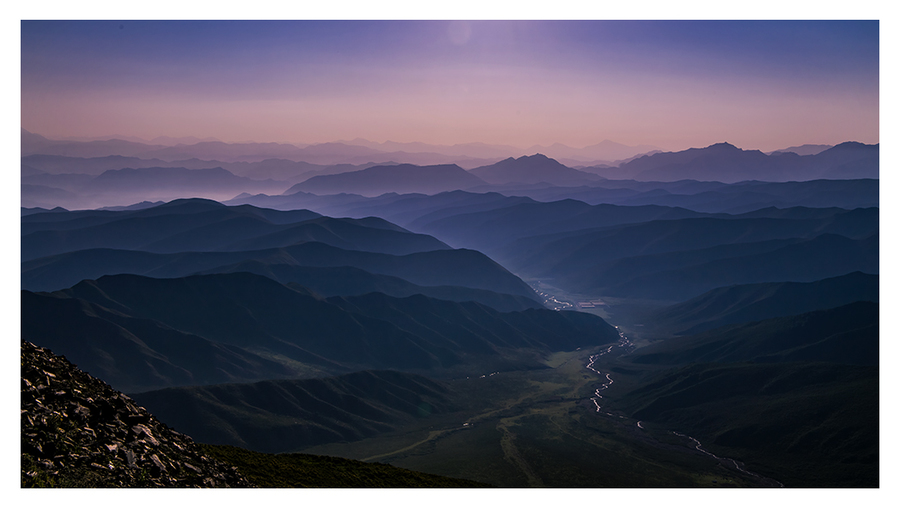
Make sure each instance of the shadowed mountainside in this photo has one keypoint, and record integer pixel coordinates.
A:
(844, 335)
(457, 267)
(794, 397)
(142, 333)
(681, 259)
(746, 303)
(348, 281)
(77, 432)
(203, 225)
(288, 415)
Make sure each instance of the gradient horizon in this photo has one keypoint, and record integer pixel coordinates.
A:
(674, 84)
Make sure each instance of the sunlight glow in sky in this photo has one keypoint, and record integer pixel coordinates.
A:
(673, 84)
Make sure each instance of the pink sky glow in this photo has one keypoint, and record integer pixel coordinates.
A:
(758, 85)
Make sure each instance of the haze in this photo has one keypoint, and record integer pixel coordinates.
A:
(674, 85)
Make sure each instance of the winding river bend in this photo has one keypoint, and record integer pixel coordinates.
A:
(626, 346)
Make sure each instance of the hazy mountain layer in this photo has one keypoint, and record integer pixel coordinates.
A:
(706, 197)
(822, 257)
(130, 185)
(727, 163)
(404, 178)
(530, 170)
(680, 259)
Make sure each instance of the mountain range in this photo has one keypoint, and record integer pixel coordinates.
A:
(138, 332)
(403, 178)
(321, 153)
(747, 303)
(727, 163)
(389, 302)
(118, 173)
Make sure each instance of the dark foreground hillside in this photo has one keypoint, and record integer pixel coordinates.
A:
(78, 432)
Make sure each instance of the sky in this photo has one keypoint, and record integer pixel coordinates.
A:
(671, 84)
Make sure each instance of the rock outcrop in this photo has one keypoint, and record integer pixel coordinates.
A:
(77, 431)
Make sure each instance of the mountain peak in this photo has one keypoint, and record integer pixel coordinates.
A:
(723, 146)
(536, 157)
(852, 145)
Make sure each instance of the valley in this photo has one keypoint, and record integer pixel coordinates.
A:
(477, 333)
(543, 417)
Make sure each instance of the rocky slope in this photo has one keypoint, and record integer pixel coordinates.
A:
(79, 432)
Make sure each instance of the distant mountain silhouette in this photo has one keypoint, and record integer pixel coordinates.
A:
(403, 178)
(849, 160)
(275, 169)
(408, 210)
(726, 163)
(532, 169)
(131, 185)
(804, 150)
(189, 181)
(753, 195)
(56, 164)
(709, 197)
(47, 197)
(36, 144)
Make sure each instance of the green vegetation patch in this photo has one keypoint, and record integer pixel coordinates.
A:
(309, 471)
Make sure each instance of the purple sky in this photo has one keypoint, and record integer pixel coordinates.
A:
(764, 85)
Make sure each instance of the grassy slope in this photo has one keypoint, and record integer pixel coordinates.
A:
(538, 428)
(796, 397)
(813, 425)
(287, 415)
(309, 471)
